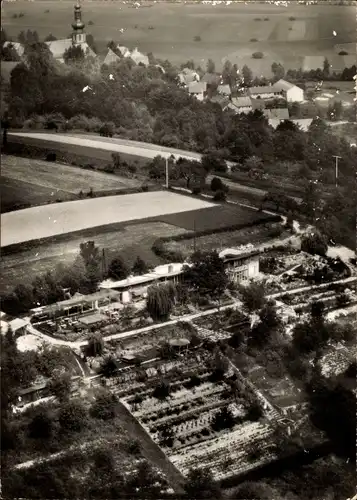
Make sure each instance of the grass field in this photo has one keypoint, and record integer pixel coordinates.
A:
(16, 194)
(28, 182)
(57, 219)
(215, 217)
(168, 29)
(129, 241)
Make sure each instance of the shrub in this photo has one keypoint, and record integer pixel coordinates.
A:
(343, 53)
(257, 19)
(104, 407)
(197, 38)
(266, 18)
(82, 122)
(144, 188)
(51, 157)
(292, 18)
(216, 184)
(220, 195)
(314, 243)
(162, 391)
(257, 55)
(253, 39)
(196, 190)
(72, 417)
(107, 130)
(90, 23)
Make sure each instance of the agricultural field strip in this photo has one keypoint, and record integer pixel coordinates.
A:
(51, 220)
(60, 177)
(130, 148)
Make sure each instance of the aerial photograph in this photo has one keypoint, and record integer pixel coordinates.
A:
(178, 285)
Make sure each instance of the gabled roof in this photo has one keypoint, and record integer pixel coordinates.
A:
(139, 58)
(20, 49)
(58, 47)
(197, 87)
(283, 85)
(224, 89)
(242, 102)
(188, 75)
(18, 323)
(111, 57)
(280, 113)
(266, 89)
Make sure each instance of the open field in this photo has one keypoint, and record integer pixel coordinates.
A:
(63, 177)
(29, 182)
(93, 144)
(129, 241)
(52, 220)
(168, 29)
(17, 194)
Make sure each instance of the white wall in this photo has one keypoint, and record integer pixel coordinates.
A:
(296, 94)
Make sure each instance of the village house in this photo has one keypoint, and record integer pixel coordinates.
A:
(241, 264)
(187, 76)
(289, 91)
(197, 89)
(276, 113)
(264, 92)
(242, 104)
(135, 287)
(224, 90)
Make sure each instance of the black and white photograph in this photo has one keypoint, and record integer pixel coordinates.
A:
(178, 285)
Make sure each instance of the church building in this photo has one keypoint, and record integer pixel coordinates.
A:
(58, 47)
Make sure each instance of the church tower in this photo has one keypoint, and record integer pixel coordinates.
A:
(78, 35)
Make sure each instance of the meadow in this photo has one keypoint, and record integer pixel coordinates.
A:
(27, 182)
(168, 30)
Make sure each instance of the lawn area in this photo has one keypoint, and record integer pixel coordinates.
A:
(63, 177)
(168, 29)
(59, 219)
(128, 240)
(214, 217)
(17, 194)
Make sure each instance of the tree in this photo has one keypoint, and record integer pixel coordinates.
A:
(216, 184)
(41, 426)
(72, 417)
(326, 68)
(314, 243)
(117, 269)
(207, 274)
(278, 71)
(158, 302)
(213, 163)
(247, 75)
(223, 419)
(162, 390)
(220, 195)
(167, 437)
(201, 485)
(211, 67)
(74, 55)
(253, 296)
(89, 252)
(104, 406)
(139, 267)
(268, 315)
(50, 38)
(108, 367)
(95, 345)
(60, 386)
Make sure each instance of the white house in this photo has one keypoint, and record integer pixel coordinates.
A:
(198, 89)
(137, 56)
(264, 92)
(136, 286)
(241, 264)
(290, 92)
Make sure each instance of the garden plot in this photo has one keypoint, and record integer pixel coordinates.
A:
(228, 454)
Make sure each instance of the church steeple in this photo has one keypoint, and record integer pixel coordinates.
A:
(78, 35)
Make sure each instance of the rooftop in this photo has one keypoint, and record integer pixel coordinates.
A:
(238, 252)
(283, 85)
(197, 87)
(165, 270)
(280, 113)
(267, 89)
(242, 102)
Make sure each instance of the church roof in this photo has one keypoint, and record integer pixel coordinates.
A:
(58, 47)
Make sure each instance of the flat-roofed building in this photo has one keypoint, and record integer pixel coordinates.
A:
(241, 264)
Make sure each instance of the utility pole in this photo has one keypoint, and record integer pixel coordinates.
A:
(167, 172)
(336, 168)
(194, 235)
